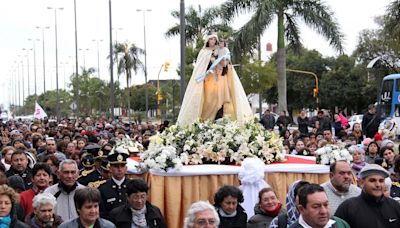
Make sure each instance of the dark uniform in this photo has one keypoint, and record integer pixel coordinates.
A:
(112, 194)
(89, 176)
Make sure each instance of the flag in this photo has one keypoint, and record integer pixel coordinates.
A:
(39, 112)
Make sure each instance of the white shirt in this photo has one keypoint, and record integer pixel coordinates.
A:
(305, 225)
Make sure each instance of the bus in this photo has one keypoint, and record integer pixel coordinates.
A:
(389, 103)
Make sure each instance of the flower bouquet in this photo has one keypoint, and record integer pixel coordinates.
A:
(128, 145)
(212, 142)
(331, 153)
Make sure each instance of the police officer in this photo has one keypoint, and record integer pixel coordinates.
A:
(113, 192)
(89, 176)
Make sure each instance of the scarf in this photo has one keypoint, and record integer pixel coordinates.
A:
(224, 214)
(139, 217)
(274, 212)
(5, 221)
(358, 167)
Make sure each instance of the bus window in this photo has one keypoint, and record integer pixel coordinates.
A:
(397, 85)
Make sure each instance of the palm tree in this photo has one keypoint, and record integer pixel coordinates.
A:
(313, 13)
(127, 58)
(392, 19)
(198, 23)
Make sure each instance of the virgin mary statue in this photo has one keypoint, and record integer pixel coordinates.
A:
(214, 89)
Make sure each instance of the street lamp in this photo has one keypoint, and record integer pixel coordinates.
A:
(55, 30)
(111, 62)
(44, 62)
(116, 33)
(98, 57)
(27, 58)
(34, 61)
(145, 59)
(84, 56)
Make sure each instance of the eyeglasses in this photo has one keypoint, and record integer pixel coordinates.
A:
(140, 197)
(204, 222)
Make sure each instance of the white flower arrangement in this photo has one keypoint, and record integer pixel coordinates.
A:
(219, 142)
(331, 153)
(127, 145)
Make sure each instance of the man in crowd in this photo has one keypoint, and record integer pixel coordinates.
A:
(370, 122)
(19, 166)
(201, 214)
(51, 149)
(89, 176)
(339, 187)
(41, 177)
(268, 120)
(113, 192)
(65, 190)
(314, 211)
(371, 208)
(328, 136)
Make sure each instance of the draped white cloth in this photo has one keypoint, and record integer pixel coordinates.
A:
(251, 176)
(192, 105)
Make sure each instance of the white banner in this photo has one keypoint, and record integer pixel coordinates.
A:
(39, 112)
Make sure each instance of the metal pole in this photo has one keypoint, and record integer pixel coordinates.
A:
(183, 44)
(44, 62)
(34, 65)
(56, 43)
(146, 92)
(316, 82)
(29, 90)
(23, 84)
(111, 65)
(76, 63)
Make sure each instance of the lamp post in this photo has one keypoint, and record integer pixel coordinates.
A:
(76, 63)
(146, 92)
(316, 89)
(116, 33)
(34, 62)
(98, 57)
(22, 79)
(84, 50)
(44, 62)
(183, 45)
(111, 62)
(27, 58)
(55, 31)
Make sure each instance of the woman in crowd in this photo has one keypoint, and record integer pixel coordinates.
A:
(53, 162)
(43, 214)
(357, 133)
(388, 154)
(226, 202)
(358, 160)
(87, 205)
(312, 147)
(292, 214)
(8, 200)
(138, 212)
(372, 152)
(267, 208)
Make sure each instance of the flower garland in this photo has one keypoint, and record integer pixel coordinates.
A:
(219, 142)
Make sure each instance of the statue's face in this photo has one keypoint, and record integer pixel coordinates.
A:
(212, 41)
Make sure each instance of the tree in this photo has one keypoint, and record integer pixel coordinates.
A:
(392, 19)
(127, 59)
(313, 13)
(198, 24)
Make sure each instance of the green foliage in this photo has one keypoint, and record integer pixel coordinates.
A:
(257, 77)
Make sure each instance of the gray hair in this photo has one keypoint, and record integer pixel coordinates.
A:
(43, 198)
(67, 161)
(196, 207)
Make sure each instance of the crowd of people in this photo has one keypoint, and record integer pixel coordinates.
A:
(68, 174)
